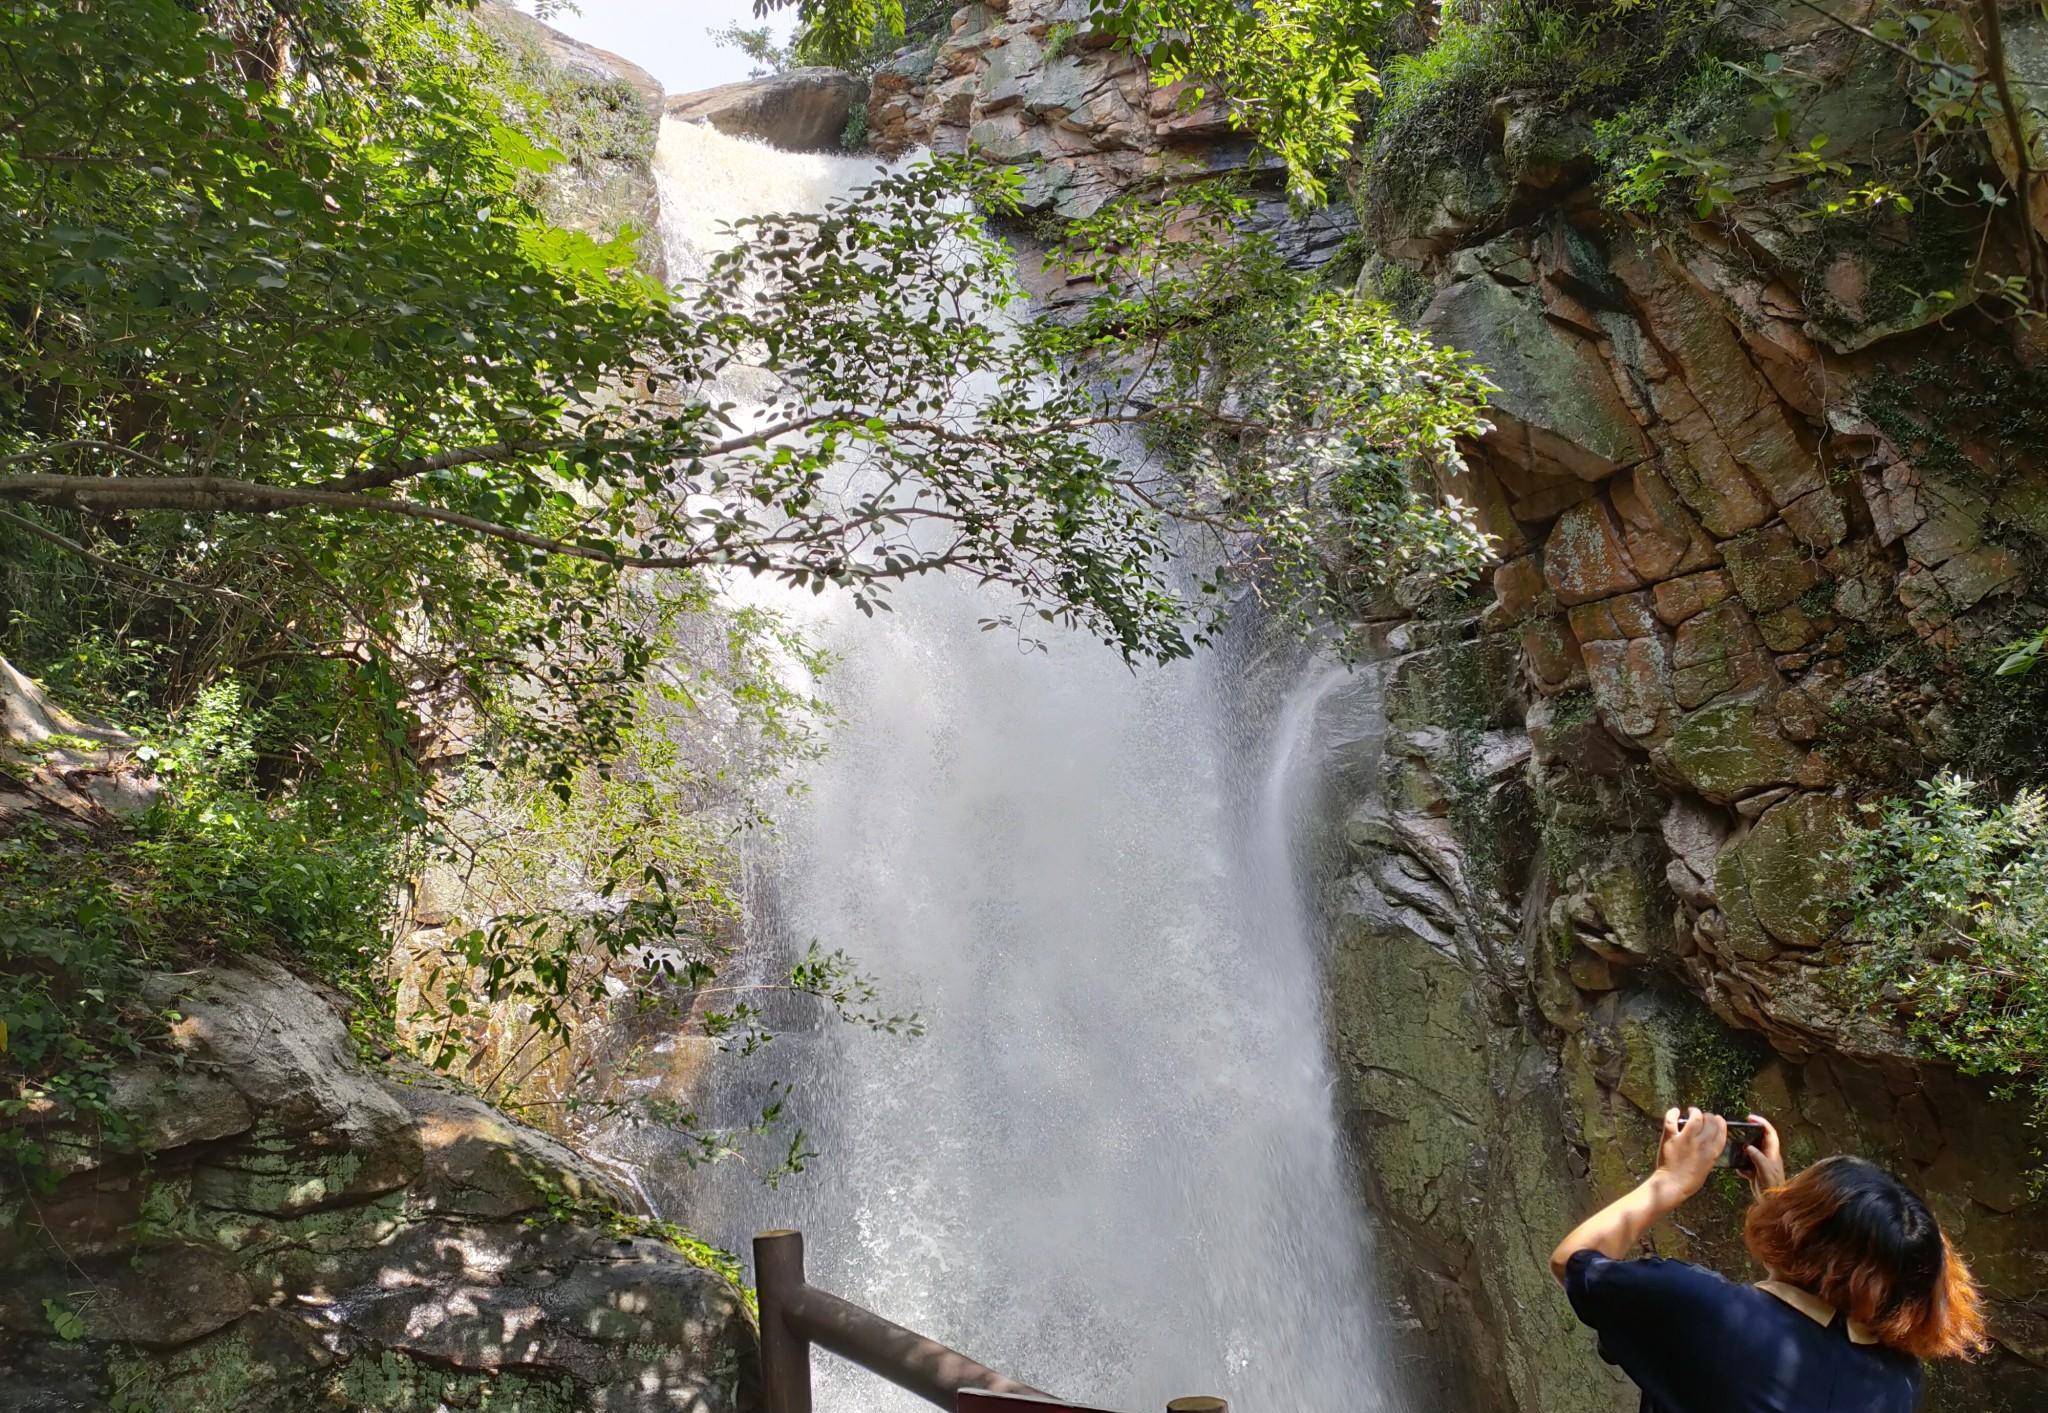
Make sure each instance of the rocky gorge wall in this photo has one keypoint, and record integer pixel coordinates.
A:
(283, 1230)
(1761, 516)
(1756, 508)
(271, 1218)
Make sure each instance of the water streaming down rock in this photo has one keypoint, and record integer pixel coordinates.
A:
(1111, 1166)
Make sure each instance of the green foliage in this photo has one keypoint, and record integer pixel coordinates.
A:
(1713, 1065)
(1439, 100)
(2024, 655)
(1477, 60)
(1291, 72)
(854, 136)
(1950, 908)
(215, 866)
(1294, 73)
(1333, 404)
(66, 1323)
(382, 379)
(69, 994)
(645, 834)
(1661, 144)
(609, 1217)
(1400, 288)
(859, 34)
(1776, 168)
(841, 31)
(758, 44)
(287, 286)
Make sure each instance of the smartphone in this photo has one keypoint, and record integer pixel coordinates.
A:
(1741, 1137)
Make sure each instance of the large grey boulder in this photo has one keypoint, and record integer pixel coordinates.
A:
(804, 110)
(281, 1230)
(71, 772)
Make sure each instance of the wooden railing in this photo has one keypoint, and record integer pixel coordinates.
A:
(796, 1315)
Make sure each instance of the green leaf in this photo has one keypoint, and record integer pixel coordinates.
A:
(67, 1324)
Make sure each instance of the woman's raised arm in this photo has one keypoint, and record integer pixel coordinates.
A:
(1685, 1157)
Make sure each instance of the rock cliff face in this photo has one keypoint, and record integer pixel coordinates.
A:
(1756, 509)
(268, 1224)
(286, 1231)
(1031, 83)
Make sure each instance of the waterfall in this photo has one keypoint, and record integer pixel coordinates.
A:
(1111, 1168)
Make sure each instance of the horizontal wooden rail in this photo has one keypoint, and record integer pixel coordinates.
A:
(796, 1315)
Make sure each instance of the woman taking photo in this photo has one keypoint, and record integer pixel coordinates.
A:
(1862, 1287)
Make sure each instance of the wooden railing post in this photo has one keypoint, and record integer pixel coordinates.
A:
(785, 1354)
(796, 1315)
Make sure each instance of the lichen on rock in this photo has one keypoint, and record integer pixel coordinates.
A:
(332, 1237)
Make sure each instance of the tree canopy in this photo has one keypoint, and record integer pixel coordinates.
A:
(319, 440)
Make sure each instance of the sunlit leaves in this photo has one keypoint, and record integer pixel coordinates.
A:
(1289, 72)
(1950, 911)
(337, 283)
(838, 31)
(1295, 427)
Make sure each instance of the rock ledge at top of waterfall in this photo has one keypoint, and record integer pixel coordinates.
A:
(804, 110)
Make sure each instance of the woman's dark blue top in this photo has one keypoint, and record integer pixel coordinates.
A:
(1696, 1342)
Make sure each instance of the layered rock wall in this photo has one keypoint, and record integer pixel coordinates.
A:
(1033, 84)
(1761, 515)
(1757, 508)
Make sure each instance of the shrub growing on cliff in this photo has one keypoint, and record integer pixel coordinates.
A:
(852, 34)
(1297, 75)
(374, 369)
(1291, 73)
(1950, 910)
(1939, 202)
(215, 867)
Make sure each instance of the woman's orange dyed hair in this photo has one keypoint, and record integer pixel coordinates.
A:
(1860, 1239)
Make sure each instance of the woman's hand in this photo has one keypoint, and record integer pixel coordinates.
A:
(1766, 1162)
(1691, 1146)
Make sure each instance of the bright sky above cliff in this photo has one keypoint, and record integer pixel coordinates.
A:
(669, 38)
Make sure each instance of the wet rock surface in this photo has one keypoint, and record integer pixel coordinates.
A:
(1520, 987)
(1752, 565)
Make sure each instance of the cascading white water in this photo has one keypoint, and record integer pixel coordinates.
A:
(1111, 1168)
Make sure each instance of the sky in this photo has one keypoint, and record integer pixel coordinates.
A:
(668, 38)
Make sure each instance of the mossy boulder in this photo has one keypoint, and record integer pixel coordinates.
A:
(1555, 409)
(1734, 747)
(1783, 883)
(314, 1236)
